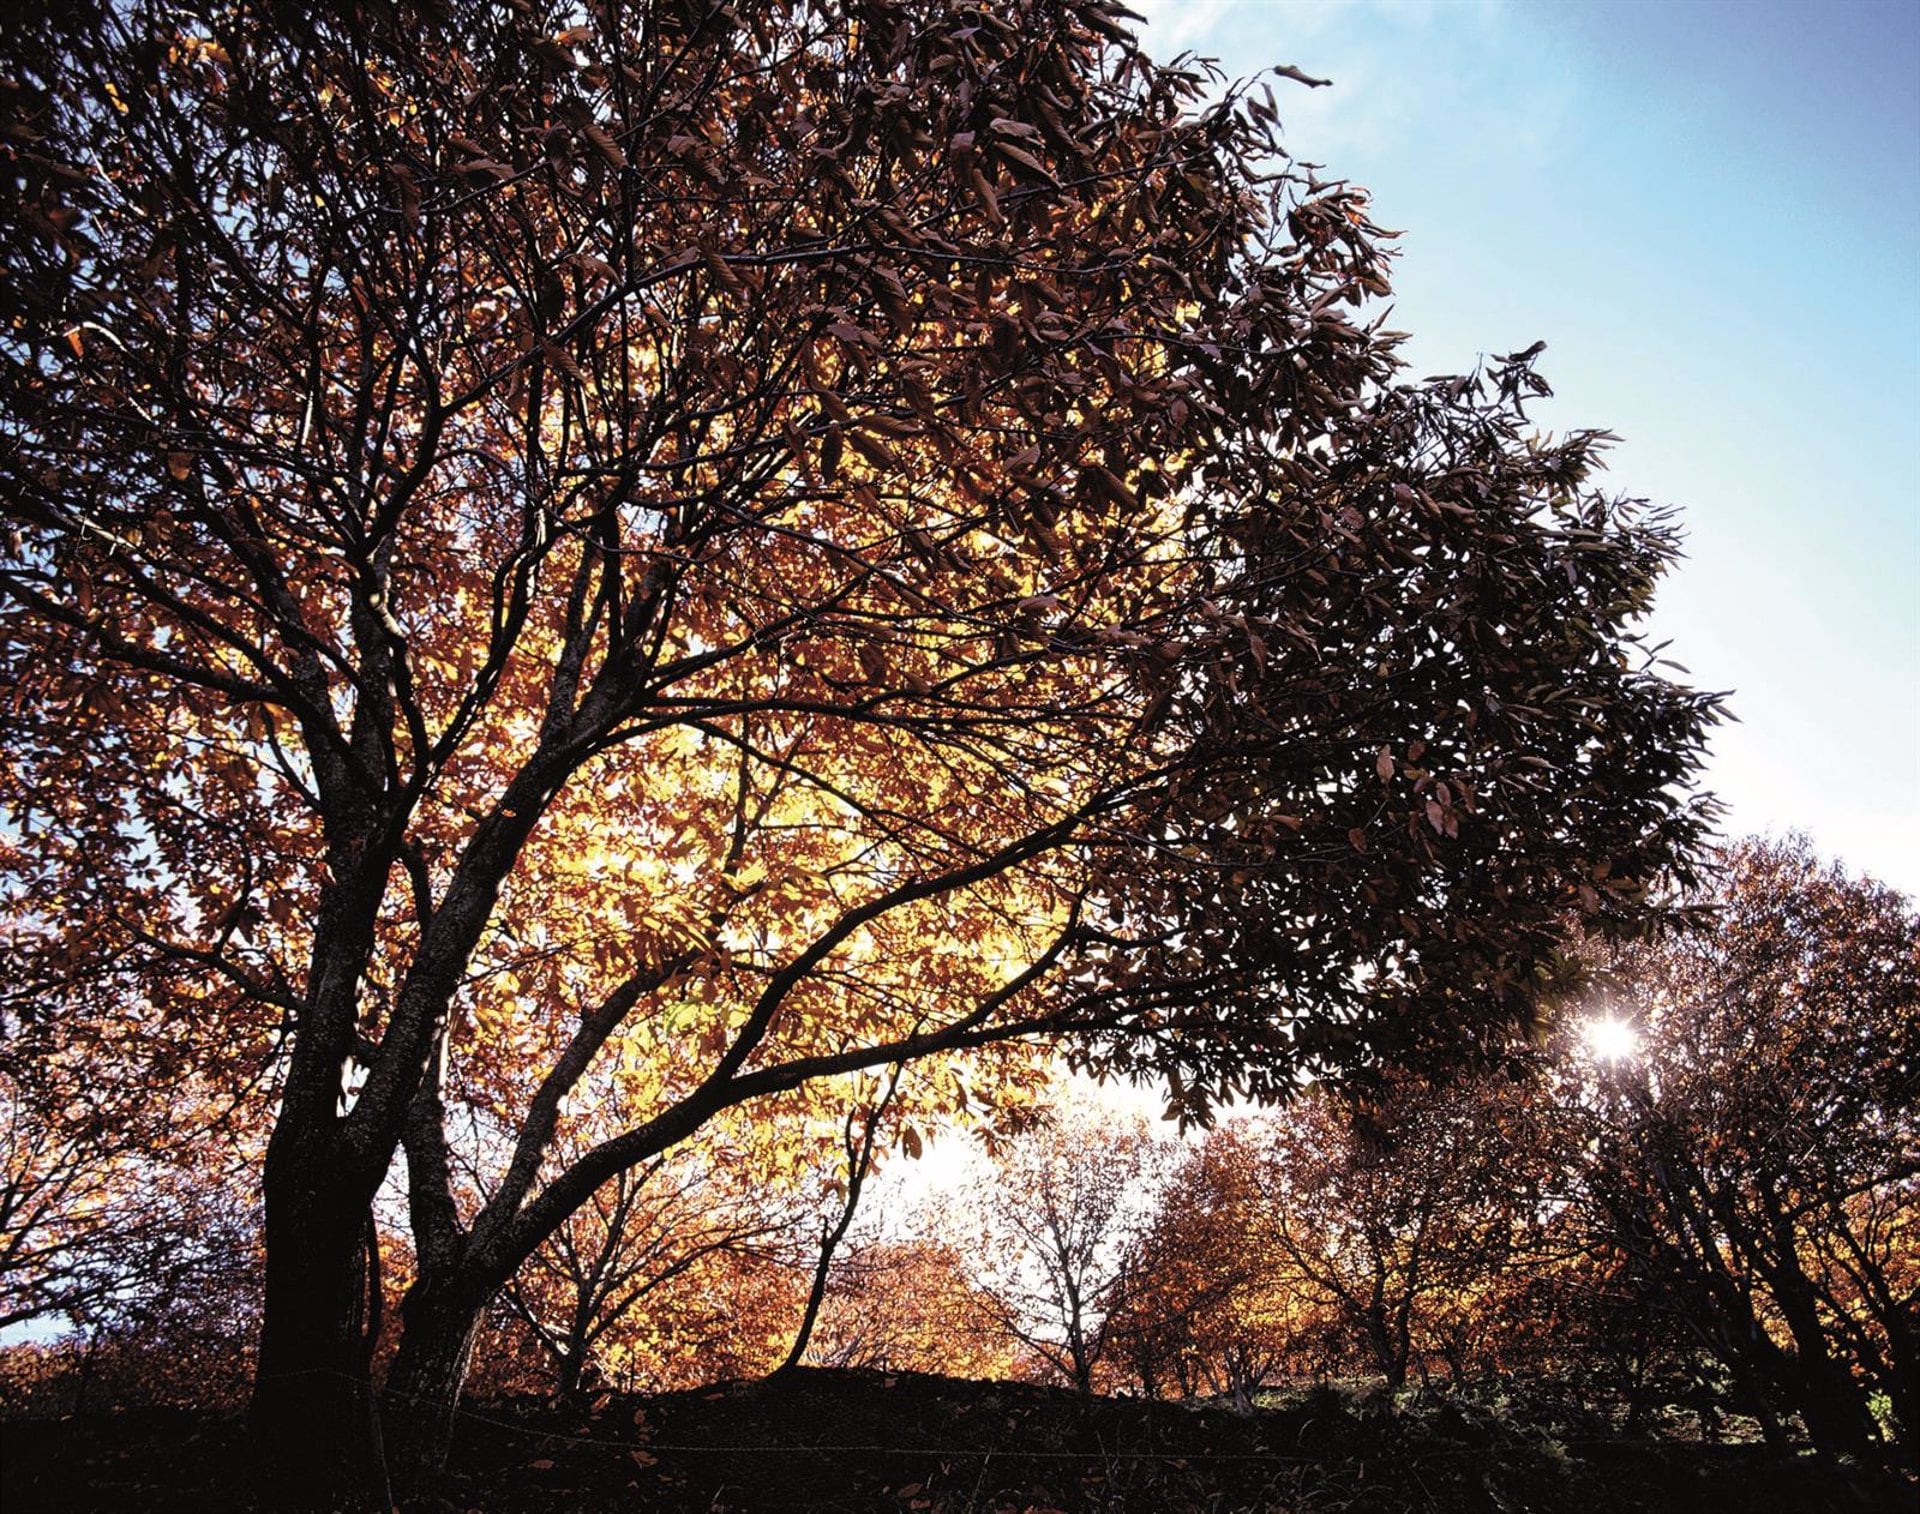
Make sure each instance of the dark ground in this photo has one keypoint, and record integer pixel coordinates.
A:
(858, 1441)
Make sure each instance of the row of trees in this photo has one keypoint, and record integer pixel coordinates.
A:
(1706, 1193)
(572, 573)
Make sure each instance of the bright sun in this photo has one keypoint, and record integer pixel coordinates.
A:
(1611, 1040)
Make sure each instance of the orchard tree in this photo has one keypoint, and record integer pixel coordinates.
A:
(97, 1233)
(1051, 1226)
(1203, 1297)
(640, 1232)
(1756, 1161)
(1393, 1215)
(908, 1305)
(730, 545)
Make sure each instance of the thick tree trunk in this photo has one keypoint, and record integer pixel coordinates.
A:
(1833, 1407)
(316, 1433)
(1832, 1402)
(423, 1389)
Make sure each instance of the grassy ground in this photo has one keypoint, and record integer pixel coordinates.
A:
(850, 1441)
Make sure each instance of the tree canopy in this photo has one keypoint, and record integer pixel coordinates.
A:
(1758, 1160)
(684, 550)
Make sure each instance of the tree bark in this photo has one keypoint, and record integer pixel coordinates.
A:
(423, 1389)
(316, 1431)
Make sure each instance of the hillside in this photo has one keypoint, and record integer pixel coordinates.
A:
(857, 1441)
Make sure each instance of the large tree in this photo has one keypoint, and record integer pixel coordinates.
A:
(722, 546)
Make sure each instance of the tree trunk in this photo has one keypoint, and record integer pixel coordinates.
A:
(1392, 1363)
(1831, 1401)
(1834, 1410)
(1902, 1385)
(422, 1394)
(315, 1429)
(1083, 1373)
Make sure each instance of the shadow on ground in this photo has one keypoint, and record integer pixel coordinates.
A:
(860, 1441)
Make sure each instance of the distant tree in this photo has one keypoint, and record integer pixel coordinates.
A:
(99, 1235)
(1203, 1300)
(642, 1232)
(56, 1189)
(1050, 1227)
(1398, 1213)
(910, 1305)
(1756, 1161)
(751, 543)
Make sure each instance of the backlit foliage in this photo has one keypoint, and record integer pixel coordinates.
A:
(698, 548)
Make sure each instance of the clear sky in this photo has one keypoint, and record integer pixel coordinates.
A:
(1710, 209)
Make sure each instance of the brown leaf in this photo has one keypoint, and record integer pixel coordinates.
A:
(1024, 158)
(831, 402)
(989, 201)
(874, 450)
(603, 143)
(599, 267)
(1289, 71)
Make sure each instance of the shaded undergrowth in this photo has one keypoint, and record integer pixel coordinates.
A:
(861, 1441)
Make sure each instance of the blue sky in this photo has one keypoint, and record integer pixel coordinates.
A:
(1711, 212)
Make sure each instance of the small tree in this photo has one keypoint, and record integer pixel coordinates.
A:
(910, 1305)
(1052, 1222)
(1203, 1299)
(1396, 1213)
(111, 1240)
(643, 1231)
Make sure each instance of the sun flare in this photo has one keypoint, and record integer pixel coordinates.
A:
(1610, 1040)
